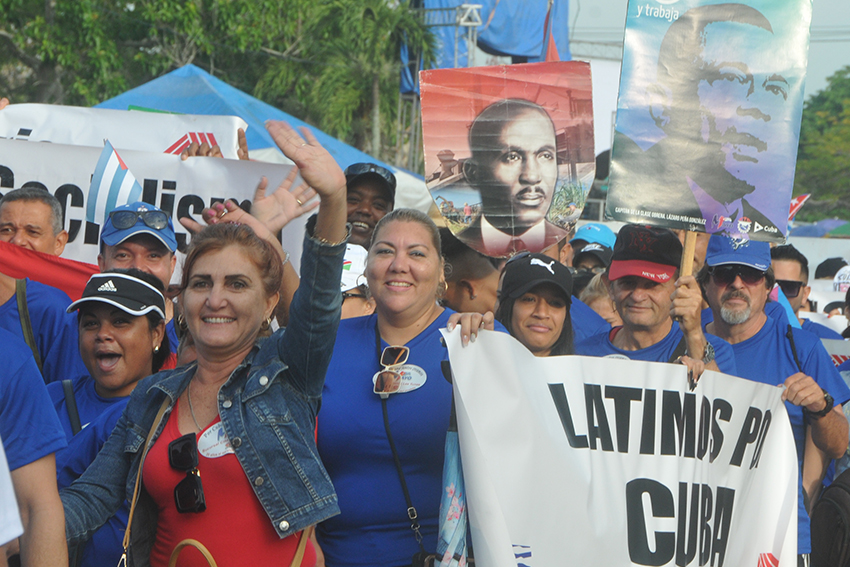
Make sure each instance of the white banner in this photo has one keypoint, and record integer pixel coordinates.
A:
(595, 461)
(180, 188)
(838, 350)
(127, 130)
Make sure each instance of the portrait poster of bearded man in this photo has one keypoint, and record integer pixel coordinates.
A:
(708, 117)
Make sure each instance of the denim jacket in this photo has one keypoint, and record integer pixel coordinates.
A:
(268, 408)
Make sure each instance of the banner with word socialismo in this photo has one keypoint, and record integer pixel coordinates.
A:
(180, 188)
(126, 130)
(597, 461)
(708, 115)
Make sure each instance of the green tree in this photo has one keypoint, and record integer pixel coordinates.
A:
(823, 159)
(84, 51)
(344, 74)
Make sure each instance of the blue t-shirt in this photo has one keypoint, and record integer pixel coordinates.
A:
(55, 330)
(89, 405)
(767, 357)
(586, 322)
(105, 545)
(28, 425)
(662, 351)
(372, 528)
(171, 332)
(821, 331)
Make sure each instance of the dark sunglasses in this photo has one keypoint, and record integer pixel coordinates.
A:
(725, 275)
(189, 492)
(122, 220)
(388, 381)
(356, 169)
(348, 294)
(790, 288)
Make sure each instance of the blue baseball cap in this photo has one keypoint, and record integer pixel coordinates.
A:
(145, 219)
(723, 249)
(596, 233)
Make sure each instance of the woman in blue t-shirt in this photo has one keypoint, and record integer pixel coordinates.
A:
(385, 380)
(121, 322)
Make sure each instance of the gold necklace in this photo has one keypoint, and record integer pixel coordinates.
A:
(191, 409)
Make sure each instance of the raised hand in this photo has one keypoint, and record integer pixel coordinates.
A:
(287, 203)
(318, 168)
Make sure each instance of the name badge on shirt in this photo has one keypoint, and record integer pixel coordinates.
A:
(214, 443)
(412, 377)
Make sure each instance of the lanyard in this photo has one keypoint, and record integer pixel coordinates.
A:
(412, 515)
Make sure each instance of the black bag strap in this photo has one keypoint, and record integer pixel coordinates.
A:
(412, 514)
(71, 405)
(790, 335)
(680, 351)
(26, 325)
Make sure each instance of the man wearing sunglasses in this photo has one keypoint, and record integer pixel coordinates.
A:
(791, 269)
(141, 236)
(737, 278)
(32, 218)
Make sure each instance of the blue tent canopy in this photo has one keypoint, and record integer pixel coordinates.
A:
(191, 90)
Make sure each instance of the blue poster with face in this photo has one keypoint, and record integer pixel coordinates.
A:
(708, 116)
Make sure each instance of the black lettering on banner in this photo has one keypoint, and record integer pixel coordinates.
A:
(188, 205)
(623, 397)
(678, 420)
(686, 547)
(661, 500)
(704, 428)
(647, 429)
(722, 524)
(166, 200)
(765, 425)
(77, 201)
(695, 529)
(559, 396)
(596, 414)
(723, 411)
(149, 187)
(92, 234)
(706, 506)
(749, 433)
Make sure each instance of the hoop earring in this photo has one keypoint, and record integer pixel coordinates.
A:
(441, 293)
(266, 324)
(181, 322)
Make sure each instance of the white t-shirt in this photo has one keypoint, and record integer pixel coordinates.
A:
(10, 518)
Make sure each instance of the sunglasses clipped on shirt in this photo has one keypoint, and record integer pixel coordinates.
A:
(790, 288)
(123, 220)
(189, 492)
(725, 275)
(388, 381)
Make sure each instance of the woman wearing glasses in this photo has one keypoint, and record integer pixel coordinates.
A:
(384, 381)
(226, 445)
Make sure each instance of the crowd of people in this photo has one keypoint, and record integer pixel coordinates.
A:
(144, 418)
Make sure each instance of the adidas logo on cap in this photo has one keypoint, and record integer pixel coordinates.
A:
(108, 286)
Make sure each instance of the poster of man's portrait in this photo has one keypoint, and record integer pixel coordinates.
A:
(708, 117)
(509, 152)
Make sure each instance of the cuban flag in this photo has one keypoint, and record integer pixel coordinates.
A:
(112, 185)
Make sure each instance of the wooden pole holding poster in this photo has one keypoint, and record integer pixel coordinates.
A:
(686, 267)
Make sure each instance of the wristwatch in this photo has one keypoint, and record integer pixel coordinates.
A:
(708, 353)
(830, 402)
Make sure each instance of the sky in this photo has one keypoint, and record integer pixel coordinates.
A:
(604, 20)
